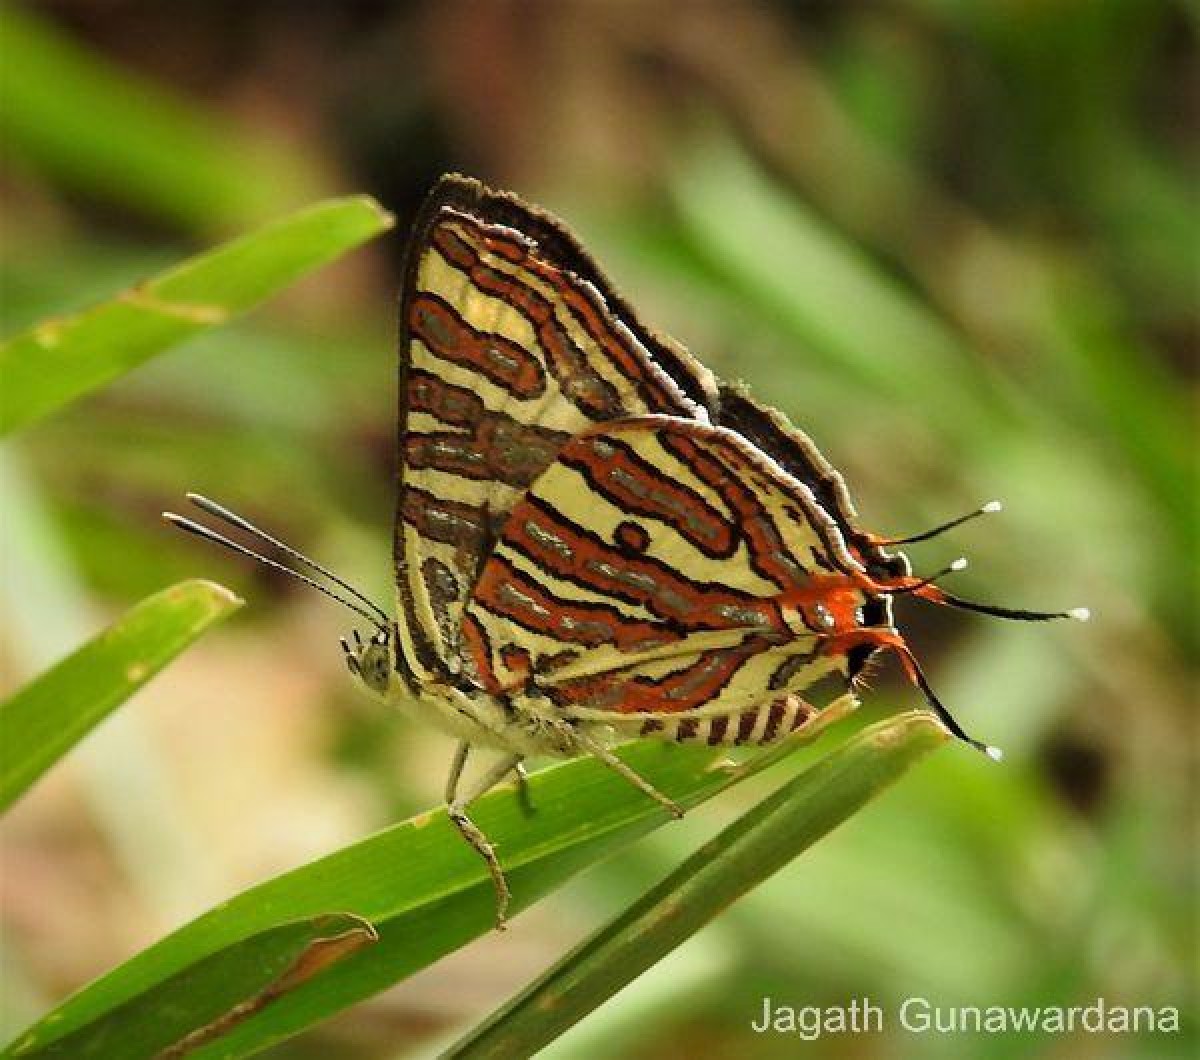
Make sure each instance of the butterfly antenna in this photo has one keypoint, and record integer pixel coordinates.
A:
(219, 511)
(200, 530)
(916, 587)
(983, 509)
(917, 675)
(1015, 614)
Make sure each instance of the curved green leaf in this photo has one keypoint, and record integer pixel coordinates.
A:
(52, 713)
(755, 846)
(419, 886)
(58, 360)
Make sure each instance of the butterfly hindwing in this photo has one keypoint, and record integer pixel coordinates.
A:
(769, 430)
(648, 571)
(512, 344)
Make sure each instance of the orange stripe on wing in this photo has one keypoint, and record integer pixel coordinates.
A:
(498, 449)
(592, 395)
(508, 592)
(581, 302)
(499, 360)
(635, 485)
(684, 690)
(770, 555)
(455, 406)
(440, 519)
(479, 654)
(573, 554)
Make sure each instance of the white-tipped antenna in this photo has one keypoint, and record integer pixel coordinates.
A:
(953, 568)
(1015, 614)
(192, 527)
(939, 708)
(983, 509)
(231, 517)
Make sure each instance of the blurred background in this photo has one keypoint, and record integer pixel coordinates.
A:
(955, 242)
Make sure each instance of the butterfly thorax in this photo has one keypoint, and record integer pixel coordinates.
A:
(458, 707)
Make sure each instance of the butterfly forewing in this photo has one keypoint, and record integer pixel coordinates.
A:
(514, 346)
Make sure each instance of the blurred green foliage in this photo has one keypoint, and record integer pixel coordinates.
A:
(955, 242)
(132, 141)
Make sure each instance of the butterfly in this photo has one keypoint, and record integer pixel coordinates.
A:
(595, 538)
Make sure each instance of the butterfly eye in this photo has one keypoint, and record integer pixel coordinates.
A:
(374, 666)
(860, 618)
(824, 616)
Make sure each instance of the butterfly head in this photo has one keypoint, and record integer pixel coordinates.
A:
(370, 660)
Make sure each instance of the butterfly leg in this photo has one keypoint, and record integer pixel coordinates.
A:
(523, 795)
(456, 804)
(598, 750)
(456, 769)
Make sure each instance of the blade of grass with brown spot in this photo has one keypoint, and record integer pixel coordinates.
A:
(58, 360)
(226, 989)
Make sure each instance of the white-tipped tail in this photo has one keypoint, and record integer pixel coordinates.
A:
(959, 564)
(993, 506)
(994, 753)
(1080, 614)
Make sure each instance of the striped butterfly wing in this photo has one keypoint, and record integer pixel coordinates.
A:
(769, 430)
(512, 344)
(662, 576)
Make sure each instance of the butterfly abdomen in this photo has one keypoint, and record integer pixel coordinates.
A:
(762, 724)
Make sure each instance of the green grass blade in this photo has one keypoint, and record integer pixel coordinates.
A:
(47, 717)
(417, 884)
(109, 134)
(240, 981)
(59, 360)
(754, 847)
